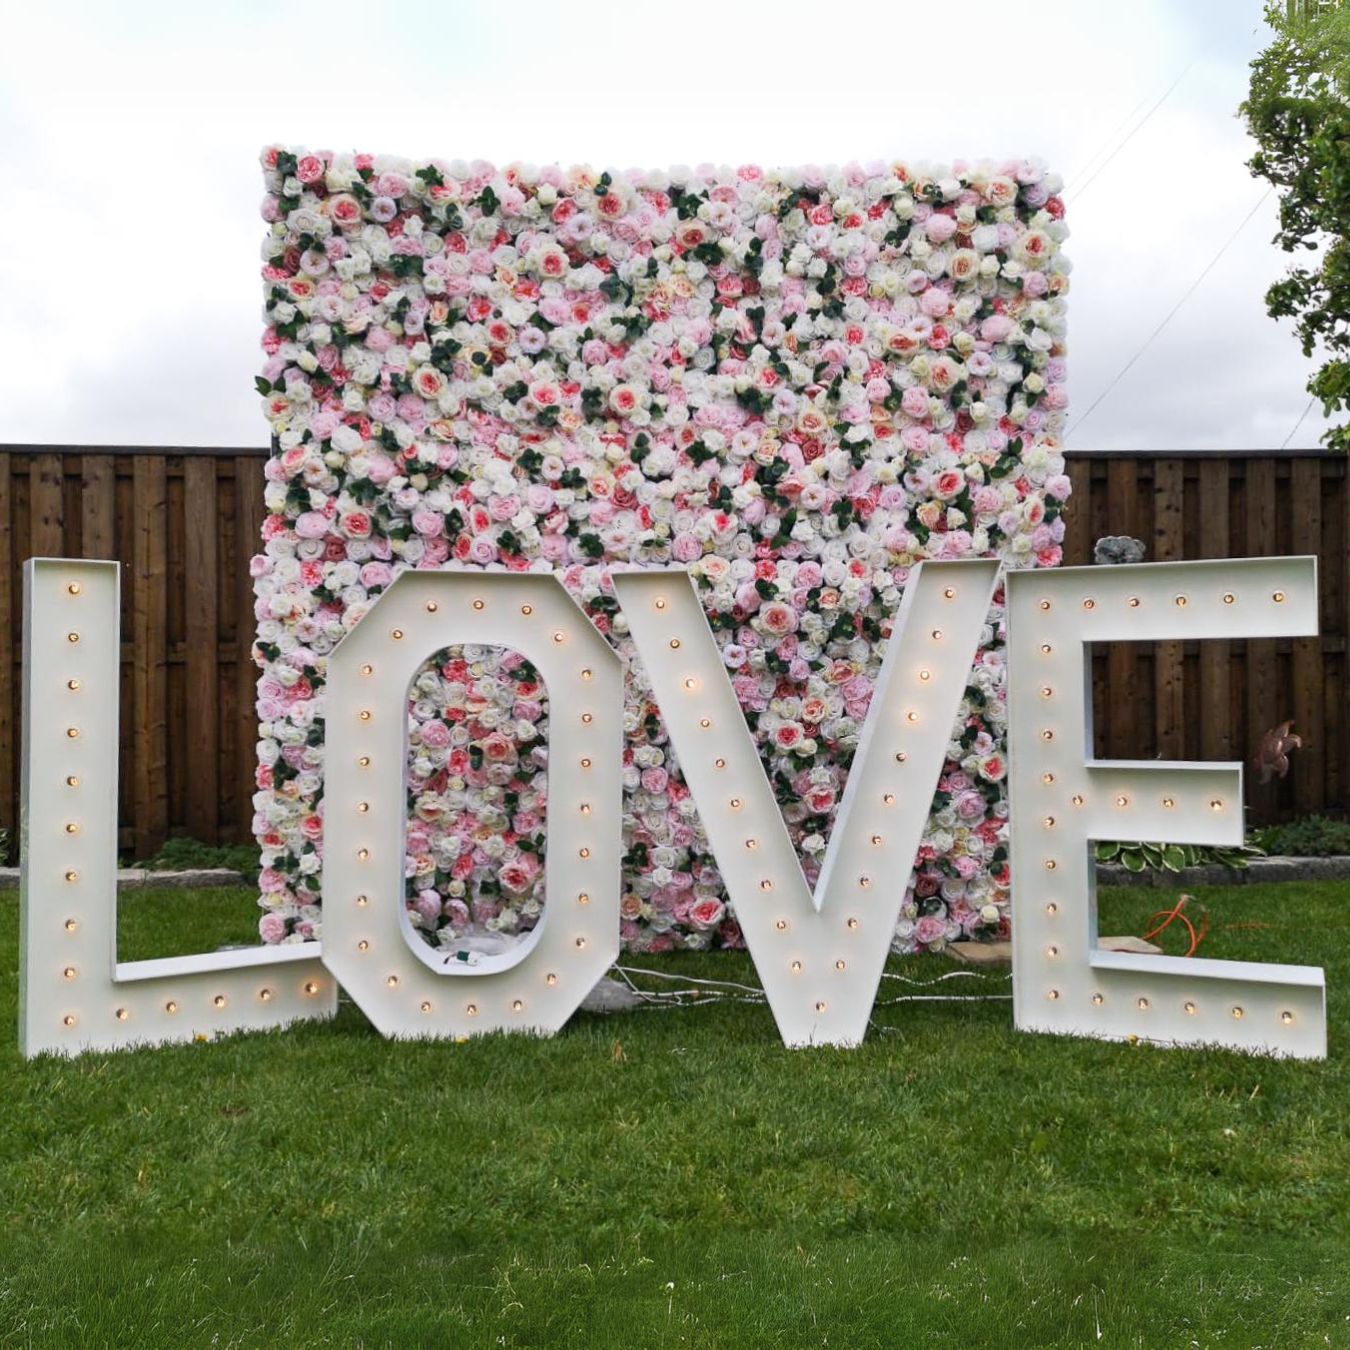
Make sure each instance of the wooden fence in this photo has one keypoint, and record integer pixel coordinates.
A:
(184, 522)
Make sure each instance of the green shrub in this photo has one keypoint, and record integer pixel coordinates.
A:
(1173, 857)
(182, 855)
(1311, 837)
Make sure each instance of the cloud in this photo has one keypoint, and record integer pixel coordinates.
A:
(128, 252)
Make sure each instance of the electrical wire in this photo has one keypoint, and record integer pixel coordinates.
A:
(1171, 314)
(1307, 409)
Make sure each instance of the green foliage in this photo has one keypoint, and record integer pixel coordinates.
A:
(1298, 111)
(1311, 837)
(188, 855)
(677, 1178)
(1173, 857)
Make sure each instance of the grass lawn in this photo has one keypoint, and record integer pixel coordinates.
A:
(677, 1178)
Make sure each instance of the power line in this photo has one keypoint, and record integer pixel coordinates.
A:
(1101, 149)
(1133, 132)
(1299, 423)
(1171, 314)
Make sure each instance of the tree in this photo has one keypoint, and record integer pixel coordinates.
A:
(1298, 111)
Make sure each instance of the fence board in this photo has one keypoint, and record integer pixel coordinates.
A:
(9, 666)
(1309, 763)
(202, 658)
(149, 767)
(1216, 739)
(1168, 667)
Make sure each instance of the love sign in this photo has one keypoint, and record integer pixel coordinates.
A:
(819, 955)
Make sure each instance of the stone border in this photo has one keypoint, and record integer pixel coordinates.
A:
(136, 878)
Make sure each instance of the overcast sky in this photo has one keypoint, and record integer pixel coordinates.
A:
(130, 135)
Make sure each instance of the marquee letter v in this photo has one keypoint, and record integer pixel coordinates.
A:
(820, 957)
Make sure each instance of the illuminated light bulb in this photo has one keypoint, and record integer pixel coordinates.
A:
(1052, 909)
(1046, 649)
(911, 716)
(1046, 691)
(1047, 778)
(674, 644)
(585, 808)
(527, 610)
(937, 635)
(1098, 1000)
(69, 972)
(1142, 1004)
(432, 607)
(735, 803)
(72, 637)
(1180, 601)
(1168, 803)
(1052, 952)
(1122, 801)
(1077, 799)
(1089, 603)
(691, 683)
(122, 1014)
(74, 588)
(1287, 1018)
(219, 1000)
(1278, 597)
(901, 756)
(392, 981)
(396, 634)
(363, 946)
(550, 978)
(583, 899)
(949, 593)
(705, 722)
(517, 1005)
(1049, 822)
(1237, 1012)
(752, 843)
(876, 841)
(587, 719)
(781, 925)
(362, 854)
(1134, 602)
(1216, 804)
(1044, 604)
(864, 882)
(560, 637)
(583, 853)
(925, 675)
(364, 714)
(1047, 735)
(72, 782)
(585, 763)
(311, 987)
(363, 900)
(1189, 1008)
(73, 685)
(587, 674)
(68, 1020)
(767, 885)
(72, 876)
(796, 967)
(1052, 994)
(888, 799)
(363, 806)
(719, 764)
(581, 942)
(820, 1007)
(73, 732)
(367, 670)
(265, 995)
(72, 827)
(852, 923)
(471, 1009)
(478, 604)
(659, 603)
(171, 1007)
(364, 761)
(1229, 597)
(426, 1006)
(71, 925)
(1050, 864)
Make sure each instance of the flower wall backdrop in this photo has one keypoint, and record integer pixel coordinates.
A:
(796, 383)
